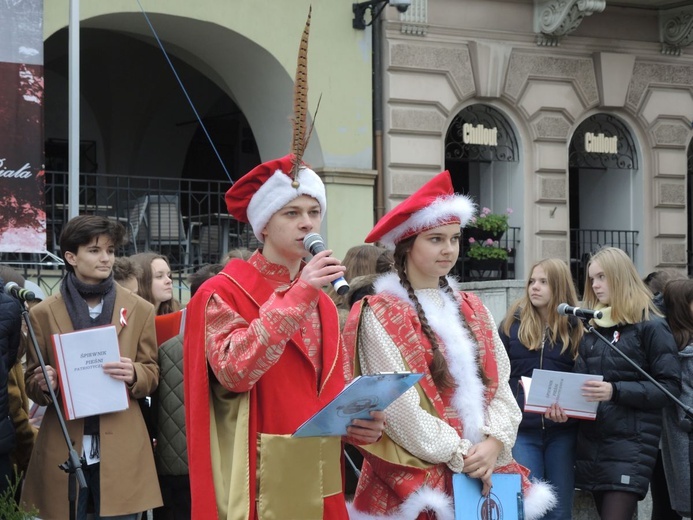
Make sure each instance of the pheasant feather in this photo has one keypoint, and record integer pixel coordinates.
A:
(300, 136)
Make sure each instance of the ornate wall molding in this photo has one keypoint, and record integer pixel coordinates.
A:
(676, 30)
(524, 68)
(670, 132)
(646, 74)
(415, 19)
(454, 62)
(554, 19)
(551, 126)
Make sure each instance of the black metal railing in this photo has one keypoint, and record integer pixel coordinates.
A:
(585, 242)
(184, 219)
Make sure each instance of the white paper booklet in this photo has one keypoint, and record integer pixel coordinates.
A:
(546, 387)
(85, 388)
(363, 395)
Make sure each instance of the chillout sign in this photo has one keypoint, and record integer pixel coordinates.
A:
(600, 143)
(479, 135)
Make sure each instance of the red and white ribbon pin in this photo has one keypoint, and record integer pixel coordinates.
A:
(123, 319)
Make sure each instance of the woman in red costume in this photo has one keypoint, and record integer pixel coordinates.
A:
(462, 416)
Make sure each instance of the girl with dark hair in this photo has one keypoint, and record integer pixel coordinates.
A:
(461, 417)
(616, 452)
(678, 299)
(119, 464)
(536, 336)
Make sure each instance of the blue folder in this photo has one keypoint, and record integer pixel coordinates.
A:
(504, 502)
(363, 395)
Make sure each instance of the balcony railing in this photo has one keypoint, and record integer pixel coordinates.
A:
(467, 270)
(184, 219)
(585, 242)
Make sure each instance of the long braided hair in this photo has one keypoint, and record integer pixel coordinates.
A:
(439, 366)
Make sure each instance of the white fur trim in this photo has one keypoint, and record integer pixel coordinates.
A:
(460, 352)
(424, 499)
(539, 500)
(277, 192)
(431, 216)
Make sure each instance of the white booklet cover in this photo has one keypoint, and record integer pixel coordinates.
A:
(358, 399)
(546, 387)
(85, 388)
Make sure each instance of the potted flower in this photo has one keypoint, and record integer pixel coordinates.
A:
(488, 225)
(486, 250)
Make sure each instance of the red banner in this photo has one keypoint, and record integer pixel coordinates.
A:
(22, 213)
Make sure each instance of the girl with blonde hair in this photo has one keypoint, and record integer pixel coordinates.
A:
(536, 336)
(616, 452)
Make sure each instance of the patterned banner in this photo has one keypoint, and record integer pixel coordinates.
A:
(22, 213)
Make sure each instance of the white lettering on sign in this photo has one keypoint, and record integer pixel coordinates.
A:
(600, 143)
(479, 135)
(23, 173)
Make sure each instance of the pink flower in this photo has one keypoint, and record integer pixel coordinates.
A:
(472, 240)
(485, 211)
(472, 220)
(488, 242)
(509, 211)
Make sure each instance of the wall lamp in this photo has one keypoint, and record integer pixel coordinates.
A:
(359, 10)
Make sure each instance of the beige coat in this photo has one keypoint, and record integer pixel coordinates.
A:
(128, 476)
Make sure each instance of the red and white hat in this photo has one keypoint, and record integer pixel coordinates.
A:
(267, 188)
(434, 204)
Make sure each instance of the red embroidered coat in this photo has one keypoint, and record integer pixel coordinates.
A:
(397, 481)
(255, 361)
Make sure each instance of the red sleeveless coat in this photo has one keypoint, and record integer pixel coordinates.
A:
(393, 481)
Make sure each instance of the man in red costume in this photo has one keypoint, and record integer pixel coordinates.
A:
(263, 353)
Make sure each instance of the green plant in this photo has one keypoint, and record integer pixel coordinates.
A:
(486, 250)
(495, 223)
(9, 509)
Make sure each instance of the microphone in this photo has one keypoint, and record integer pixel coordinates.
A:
(315, 244)
(585, 314)
(13, 289)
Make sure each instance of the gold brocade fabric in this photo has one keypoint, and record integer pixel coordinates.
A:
(229, 416)
(288, 467)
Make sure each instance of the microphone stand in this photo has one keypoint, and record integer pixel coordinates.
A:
(73, 465)
(686, 423)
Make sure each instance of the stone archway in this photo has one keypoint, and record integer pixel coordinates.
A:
(483, 156)
(605, 185)
(136, 111)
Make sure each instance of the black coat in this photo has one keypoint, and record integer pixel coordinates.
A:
(523, 362)
(10, 334)
(617, 451)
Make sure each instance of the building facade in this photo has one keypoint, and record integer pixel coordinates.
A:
(576, 114)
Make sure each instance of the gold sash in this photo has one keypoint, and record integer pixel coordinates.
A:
(287, 468)
(228, 430)
(295, 474)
